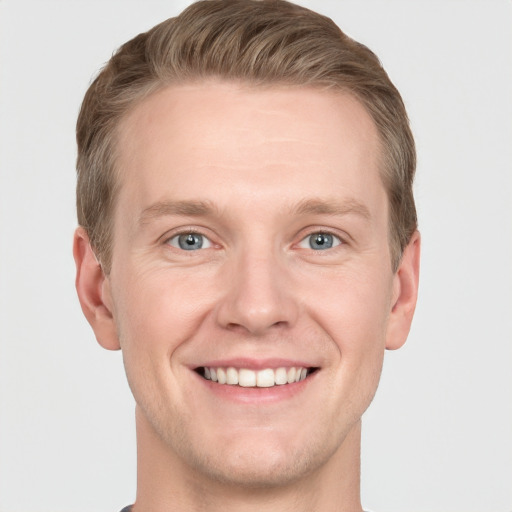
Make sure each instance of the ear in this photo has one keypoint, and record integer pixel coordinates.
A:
(405, 293)
(93, 288)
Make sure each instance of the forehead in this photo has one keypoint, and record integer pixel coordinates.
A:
(210, 140)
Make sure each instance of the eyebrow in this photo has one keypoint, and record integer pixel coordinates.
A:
(206, 208)
(332, 207)
(188, 208)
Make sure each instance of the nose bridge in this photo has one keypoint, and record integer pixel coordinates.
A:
(258, 296)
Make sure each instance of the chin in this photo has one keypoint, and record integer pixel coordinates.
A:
(256, 469)
(259, 460)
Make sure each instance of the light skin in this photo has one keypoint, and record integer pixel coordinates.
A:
(281, 187)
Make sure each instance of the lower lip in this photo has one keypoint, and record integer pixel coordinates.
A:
(257, 395)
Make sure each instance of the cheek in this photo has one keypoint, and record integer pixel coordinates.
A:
(158, 310)
(353, 306)
(157, 313)
(353, 309)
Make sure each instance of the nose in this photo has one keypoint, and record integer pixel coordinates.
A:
(258, 295)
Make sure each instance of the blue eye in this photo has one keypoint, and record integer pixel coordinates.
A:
(190, 242)
(320, 241)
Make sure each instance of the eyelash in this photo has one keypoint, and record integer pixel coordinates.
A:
(188, 233)
(320, 234)
(336, 240)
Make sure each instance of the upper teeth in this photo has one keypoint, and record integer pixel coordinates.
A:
(250, 378)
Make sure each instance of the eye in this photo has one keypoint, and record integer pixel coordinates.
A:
(320, 241)
(189, 241)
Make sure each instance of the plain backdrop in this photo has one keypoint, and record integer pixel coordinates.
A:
(438, 437)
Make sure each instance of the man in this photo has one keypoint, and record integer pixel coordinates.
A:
(248, 239)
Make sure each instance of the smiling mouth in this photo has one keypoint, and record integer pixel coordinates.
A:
(265, 378)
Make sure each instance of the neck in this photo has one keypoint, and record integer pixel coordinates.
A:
(165, 483)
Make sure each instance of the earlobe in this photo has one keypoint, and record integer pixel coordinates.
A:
(93, 289)
(405, 294)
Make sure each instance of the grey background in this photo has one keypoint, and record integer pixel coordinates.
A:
(438, 437)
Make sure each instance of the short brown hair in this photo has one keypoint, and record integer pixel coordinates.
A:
(260, 42)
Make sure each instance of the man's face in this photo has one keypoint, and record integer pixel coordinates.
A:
(251, 240)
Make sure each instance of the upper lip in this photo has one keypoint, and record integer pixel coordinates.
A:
(255, 364)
